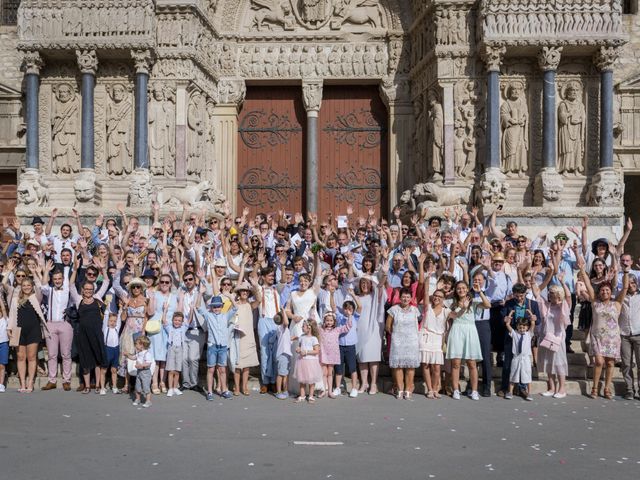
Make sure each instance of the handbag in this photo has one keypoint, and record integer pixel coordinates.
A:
(14, 340)
(152, 327)
(551, 342)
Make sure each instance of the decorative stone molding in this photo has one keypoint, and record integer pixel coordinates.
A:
(32, 190)
(493, 188)
(84, 186)
(312, 95)
(557, 22)
(142, 60)
(32, 62)
(492, 57)
(605, 58)
(606, 189)
(549, 58)
(230, 91)
(140, 188)
(87, 61)
(549, 185)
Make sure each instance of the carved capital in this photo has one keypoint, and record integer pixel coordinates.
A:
(230, 91)
(393, 91)
(312, 95)
(493, 188)
(87, 61)
(605, 58)
(142, 60)
(549, 58)
(606, 189)
(32, 62)
(493, 56)
(140, 188)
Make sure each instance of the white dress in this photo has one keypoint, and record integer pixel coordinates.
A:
(371, 326)
(521, 363)
(405, 352)
(305, 306)
(431, 336)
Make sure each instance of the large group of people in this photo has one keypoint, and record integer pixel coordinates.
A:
(314, 306)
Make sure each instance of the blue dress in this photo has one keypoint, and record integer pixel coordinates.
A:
(463, 341)
(159, 340)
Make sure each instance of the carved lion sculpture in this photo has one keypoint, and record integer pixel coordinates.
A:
(192, 195)
(434, 195)
(32, 190)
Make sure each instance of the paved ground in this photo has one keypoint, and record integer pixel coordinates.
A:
(57, 435)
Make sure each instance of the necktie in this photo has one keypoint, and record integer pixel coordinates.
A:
(520, 339)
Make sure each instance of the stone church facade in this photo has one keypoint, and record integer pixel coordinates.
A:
(529, 104)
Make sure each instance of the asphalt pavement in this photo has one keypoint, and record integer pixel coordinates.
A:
(66, 435)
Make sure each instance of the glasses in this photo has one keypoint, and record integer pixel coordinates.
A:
(188, 279)
(438, 296)
(91, 274)
(20, 275)
(165, 282)
(225, 284)
(135, 286)
(155, 269)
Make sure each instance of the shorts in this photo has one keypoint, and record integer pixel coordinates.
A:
(174, 359)
(113, 356)
(217, 356)
(4, 355)
(143, 381)
(283, 361)
(348, 359)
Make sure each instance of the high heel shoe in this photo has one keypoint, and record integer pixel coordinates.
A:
(594, 393)
(607, 393)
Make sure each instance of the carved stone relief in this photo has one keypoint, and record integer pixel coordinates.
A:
(572, 122)
(65, 129)
(514, 120)
(435, 138)
(162, 115)
(196, 124)
(119, 128)
(466, 124)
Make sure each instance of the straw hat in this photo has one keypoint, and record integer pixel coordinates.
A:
(243, 286)
(497, 257)
(137, 281)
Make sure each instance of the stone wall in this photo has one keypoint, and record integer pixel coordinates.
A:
(10, 58)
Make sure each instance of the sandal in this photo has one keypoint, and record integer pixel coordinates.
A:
(155, 391)
(22, 390)
(431, 394)
(311, 399)
(322, 394)
(236, 393)
(373, 390)
(436, 394)
(594, 393)
(125, 389)
(607, 393)
(408, 396)
(363, 388)
(163, 388)
(86, 390)
(299, 399)
(245, 393)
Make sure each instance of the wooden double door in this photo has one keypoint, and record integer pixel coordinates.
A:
(352, 151)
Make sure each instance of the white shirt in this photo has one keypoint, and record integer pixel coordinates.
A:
(143, 357)
(59, 243)
(4, 337)
(58, 300)
(270, 303)
(111, 338)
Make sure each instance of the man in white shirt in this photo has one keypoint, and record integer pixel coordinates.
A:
(61, 331)
(267, 329)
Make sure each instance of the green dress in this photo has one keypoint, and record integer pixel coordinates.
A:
(463, 341)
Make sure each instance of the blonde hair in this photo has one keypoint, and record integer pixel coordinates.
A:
(144, 341)
(22, 298)
(556, 289)
(314, 328)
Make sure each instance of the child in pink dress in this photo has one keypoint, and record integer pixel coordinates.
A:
(330, 349)
(307, 370)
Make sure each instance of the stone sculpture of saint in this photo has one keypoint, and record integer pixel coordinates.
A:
(161, 133)
(195, 134)
(514, 118)
(571, 122)
(436, 133)
(119, 130)
(65, 130)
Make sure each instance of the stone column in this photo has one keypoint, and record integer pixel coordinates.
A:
(86, 179)
(607, 187)
(312, 99)
(182, 104)
(30, 179)
(548, 183)
(397, 97)
(449, 133)
(493, 186)
(140, 179)
(231, 93)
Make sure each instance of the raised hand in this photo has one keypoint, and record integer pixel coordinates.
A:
(349, 209)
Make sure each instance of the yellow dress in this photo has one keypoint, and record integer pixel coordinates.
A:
(247, 355)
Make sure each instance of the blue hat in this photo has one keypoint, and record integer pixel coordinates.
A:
(149, 273)
(201, 231)
(216, 302)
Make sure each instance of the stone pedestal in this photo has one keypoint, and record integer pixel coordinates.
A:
(493, 188)
(548, 186)
(140, 190)
(84, 186)
(606, 189)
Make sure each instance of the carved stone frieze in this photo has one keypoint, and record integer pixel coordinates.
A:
(560, 22)
(493, 188)
(196, 129)
(65, 129)
(162, 129)
(140, 188)
(572, 128)
(468, 126)
(515, 123)
(203, 194)
(119, 130)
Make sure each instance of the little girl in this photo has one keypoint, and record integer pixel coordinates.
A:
(521, 347)
(307, 370)
(143, 359)
(330, 349)
(175, 341)
(283, 354)
(110, 331)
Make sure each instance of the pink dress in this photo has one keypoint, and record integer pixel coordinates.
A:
(307, 369)
(605, 331)
(329, 347)
(555, 320)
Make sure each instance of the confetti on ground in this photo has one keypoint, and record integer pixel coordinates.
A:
(154, 463)
(251, 464)
(66, 416)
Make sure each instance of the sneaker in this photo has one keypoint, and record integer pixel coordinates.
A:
(548, 393)
(281, 396)
(115, 391)
(486, 391)
(2, 388)
(146, 404)
(628, 396)
(508, 396)
(226, 394)
(353, 393)
(456, 395)
(210, 396)
(559, 395)
(337, 391)
(170, 392)
(135, 403)
(475, 395)
(103, 391)
(177, 391)
(529, 398)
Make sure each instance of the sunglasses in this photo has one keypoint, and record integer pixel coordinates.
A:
(165, 282)
(91, 274)
(225, 284)
(21, 275)
(188, 279)
(135, 286)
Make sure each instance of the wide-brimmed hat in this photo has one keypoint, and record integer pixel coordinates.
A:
(137, 281)
(219, 262)
(595, 243)
(371, 278)
(37, 220)
(243, 286)
(216, 301)
(498, 257)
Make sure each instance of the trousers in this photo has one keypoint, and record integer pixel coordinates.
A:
(191, 352)
(60, 341)
(484, 334)
(630, 349)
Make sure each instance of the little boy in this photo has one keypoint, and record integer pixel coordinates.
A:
(283, 354)
(143, 359)
(175, 341)
(218, 324)
(110, 331)
(347, 342)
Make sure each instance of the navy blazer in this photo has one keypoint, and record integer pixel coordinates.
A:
(529, 304)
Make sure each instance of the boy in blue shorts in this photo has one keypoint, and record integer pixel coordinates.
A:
(218, 324)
